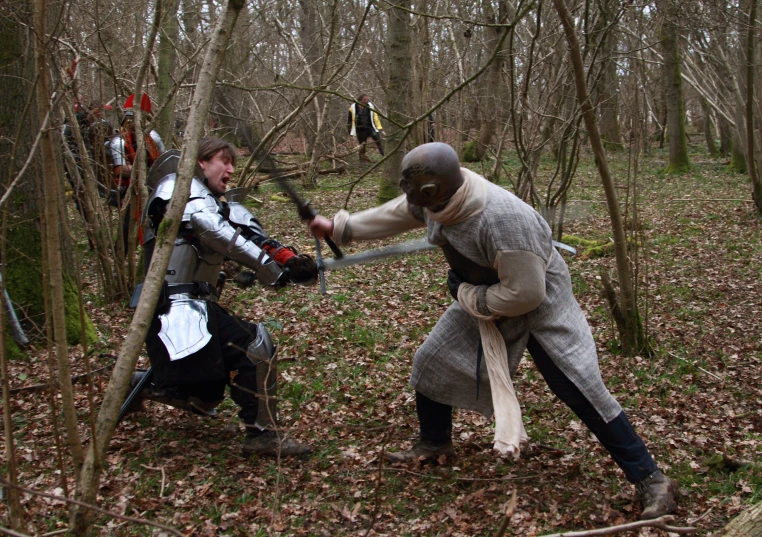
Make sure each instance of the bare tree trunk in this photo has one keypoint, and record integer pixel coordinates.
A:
(726, 136)
(15, 511)
(632, 337)
(606, 92)
(318, 58)
(165, 85)
(490, 87)
(751, 161)
(309, 35)
(52, 191)
(730, 81)
(397, 96)
(96, 222)
(421, 45)
(87, 485)
(138, 188)
(673, 90)
(711, 147)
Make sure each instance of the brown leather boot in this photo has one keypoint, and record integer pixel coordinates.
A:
(658, 494)
(267, 444)
(423, 451)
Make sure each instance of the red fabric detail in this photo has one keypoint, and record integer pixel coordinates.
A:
(145, 102)
(279, 253)
(129, 152)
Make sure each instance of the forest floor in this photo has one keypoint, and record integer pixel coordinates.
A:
(697, 401)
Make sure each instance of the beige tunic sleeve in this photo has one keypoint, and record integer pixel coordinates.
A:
(521, 288)
(391, 218)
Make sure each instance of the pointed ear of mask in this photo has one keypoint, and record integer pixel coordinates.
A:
(431, 175)
(429, 190)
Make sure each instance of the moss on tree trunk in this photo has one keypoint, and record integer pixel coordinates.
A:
(23, 276)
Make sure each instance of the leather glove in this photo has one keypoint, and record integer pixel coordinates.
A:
(302, 269)
(453, 283)
(245, 278)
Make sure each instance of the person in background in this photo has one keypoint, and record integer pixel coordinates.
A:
(124, 146)
(363, 122)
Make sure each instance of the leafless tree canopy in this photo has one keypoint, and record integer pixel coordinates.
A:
(519, 81)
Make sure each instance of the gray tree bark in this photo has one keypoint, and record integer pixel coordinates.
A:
(751, 161)
(52, 237)
(16, 72)
(711, 147)
(398, 96)
(673, 90)
(87, 485)
(490, 87)
(630, 324)
(165, 83)
(606, 94)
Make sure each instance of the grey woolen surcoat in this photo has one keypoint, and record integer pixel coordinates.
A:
(444, 368)
(499, 232)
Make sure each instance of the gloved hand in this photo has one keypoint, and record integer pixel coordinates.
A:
(302, 269)
(453, 283)
(245, 278)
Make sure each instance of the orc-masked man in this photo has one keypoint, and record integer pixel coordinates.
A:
(512, 292)
(196, 347)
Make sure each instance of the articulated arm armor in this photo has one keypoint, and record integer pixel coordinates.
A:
(205, 238)
(301, 268)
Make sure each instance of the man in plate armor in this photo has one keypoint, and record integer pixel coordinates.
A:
(196, 347)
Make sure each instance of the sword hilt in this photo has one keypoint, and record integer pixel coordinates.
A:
(338, 254)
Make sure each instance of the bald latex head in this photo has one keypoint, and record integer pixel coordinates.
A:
(431, 175)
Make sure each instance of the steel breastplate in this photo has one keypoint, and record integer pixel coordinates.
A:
(191, 262)
(467, 270)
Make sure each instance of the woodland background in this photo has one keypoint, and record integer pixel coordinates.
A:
(633, 128)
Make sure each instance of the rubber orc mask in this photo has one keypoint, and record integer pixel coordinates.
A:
(431, 175)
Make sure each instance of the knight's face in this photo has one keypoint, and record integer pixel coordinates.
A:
(218, 170)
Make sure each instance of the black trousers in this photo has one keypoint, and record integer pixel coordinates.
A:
(205, 373)
(618, 436)
(363, 135)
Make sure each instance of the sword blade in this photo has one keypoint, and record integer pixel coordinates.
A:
(374, 255)
(415, 245)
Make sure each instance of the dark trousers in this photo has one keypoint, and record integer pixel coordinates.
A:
(618, 436)
(206, 373)
(362, 137)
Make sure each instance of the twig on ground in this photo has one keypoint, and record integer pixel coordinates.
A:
(74, 380)
(509, 510)
(12, 533)
(56, 532)
(64, 499)
(468, 479)
(692, 521)
(710, 199)
(659, 523)
(673, 355)
(163, 477)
